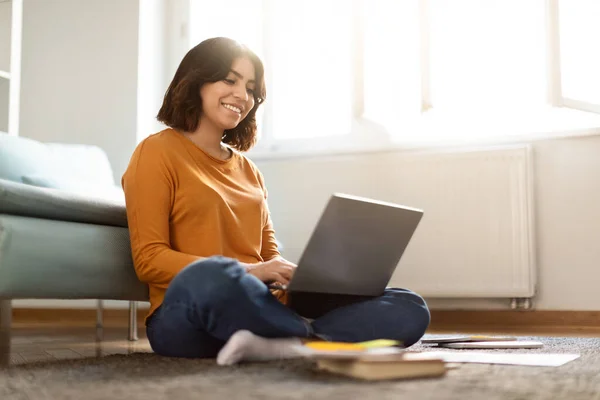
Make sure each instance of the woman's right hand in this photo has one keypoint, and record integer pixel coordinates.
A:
(277, 270)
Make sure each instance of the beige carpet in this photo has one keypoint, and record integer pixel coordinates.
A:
(147, 376)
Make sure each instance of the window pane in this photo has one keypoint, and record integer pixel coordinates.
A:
(392, 80)
(310, 64)
(579, 22)
(487, 54)
(240, 20)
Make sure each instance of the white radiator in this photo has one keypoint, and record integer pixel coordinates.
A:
(476, 238)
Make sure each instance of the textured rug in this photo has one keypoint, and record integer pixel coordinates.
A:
(146, 376)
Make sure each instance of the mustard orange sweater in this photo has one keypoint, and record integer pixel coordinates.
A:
(183, 204)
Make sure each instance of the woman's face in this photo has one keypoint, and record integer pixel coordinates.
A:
(226, 103)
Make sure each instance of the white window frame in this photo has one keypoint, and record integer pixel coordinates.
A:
(268, 144)
(555, 96)
(366, 136)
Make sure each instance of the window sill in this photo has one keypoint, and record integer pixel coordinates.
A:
(440, 132)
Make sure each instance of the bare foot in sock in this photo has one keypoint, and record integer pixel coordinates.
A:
(246, 346)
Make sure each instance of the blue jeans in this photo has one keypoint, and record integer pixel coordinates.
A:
(208, 301)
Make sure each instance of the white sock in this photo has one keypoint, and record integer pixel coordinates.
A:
(246, 346)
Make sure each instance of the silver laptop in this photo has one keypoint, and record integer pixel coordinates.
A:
(351, 254)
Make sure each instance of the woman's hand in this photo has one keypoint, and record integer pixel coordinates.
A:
(277, 270)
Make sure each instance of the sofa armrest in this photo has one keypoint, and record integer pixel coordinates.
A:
(31, 201)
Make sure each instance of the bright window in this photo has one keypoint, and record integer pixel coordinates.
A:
(310, 63)
(487, 55)
(243, 19)
(392, 77)
(368, 69)
(579, 27)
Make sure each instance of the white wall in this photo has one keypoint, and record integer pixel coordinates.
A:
(4, 104)
(152, 69)
(79, 74)
(5, 30)
(567, 222)
(5, 34)
(162, 45)
(568, 201)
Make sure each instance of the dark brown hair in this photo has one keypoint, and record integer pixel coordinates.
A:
(210, 61)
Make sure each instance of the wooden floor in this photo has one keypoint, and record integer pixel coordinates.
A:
(47, 343)
(43, 335)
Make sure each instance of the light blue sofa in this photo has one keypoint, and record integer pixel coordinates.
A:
(63, 229)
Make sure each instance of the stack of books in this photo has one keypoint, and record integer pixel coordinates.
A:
(375, 360)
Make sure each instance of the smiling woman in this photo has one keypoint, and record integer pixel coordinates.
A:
(201, 232)
(196, 205)
(219, 86)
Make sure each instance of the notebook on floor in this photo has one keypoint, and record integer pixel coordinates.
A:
(512, 344)
(439, 339)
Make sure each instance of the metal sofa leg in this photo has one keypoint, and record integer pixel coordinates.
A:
(5, 323)
(99, 320)
(133, 329)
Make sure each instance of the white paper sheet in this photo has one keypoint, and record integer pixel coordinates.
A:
(537, 360)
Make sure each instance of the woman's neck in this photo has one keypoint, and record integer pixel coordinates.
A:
(208, 140)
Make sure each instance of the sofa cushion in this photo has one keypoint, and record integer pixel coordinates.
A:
(21, 156)
(82, 163)
(26, 200)
(111, 192)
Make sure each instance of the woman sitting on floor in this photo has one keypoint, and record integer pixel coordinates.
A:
(201, 232)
